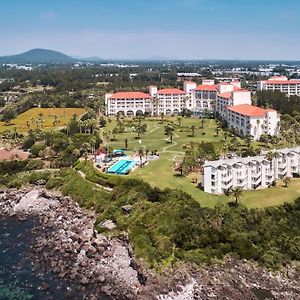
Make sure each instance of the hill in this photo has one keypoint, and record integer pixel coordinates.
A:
(37, 56)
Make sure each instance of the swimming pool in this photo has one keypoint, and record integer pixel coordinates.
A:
(123, 166)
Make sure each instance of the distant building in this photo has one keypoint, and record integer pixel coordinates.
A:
(250, 172)
(280, 83)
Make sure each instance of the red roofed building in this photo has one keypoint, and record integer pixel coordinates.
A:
(251, 120)
(128, 103)
(171, 101)
(280, 83)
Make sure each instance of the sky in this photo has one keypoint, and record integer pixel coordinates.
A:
(141, 29)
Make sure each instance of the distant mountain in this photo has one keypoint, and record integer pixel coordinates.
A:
(37, 56)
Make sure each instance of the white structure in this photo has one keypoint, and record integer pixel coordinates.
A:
(280, 83)
(230, 95)
(171, 101)
(250, 172)
(251, 120)
(128, 103)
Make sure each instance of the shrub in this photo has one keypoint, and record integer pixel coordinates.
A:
(37, 176)
(34, 164)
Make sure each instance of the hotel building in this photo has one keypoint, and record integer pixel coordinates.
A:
(280, 83)
(128, 103)
(250, 172)
(246, 119)
(230, 102)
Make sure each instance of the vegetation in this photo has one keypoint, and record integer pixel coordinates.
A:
(168, 226)
(42, 118)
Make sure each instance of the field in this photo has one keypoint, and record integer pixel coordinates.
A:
(160, 172)
(50, 118)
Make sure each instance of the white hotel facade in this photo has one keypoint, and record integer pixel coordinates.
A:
(250, 172)
(280, 83)
(230, 102)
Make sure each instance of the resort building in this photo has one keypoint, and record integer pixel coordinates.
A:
(246, 119)
(128, 103)
(230, 102)
(280, 83)
(230, 95)
(171, 101)
(250, 172)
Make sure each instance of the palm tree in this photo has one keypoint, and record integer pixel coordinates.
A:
(179, 120)
(193, 127)
(270, 156)
(236, 193)
(286, 181)
(169, 132)
(202, 123)
(162, 115)
(141, 154)
(85, 148)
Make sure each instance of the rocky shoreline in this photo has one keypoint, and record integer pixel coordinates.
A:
(67, 243)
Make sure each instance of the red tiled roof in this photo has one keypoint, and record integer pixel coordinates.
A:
(207, 87)
(130, 95)
(281, 81)
(249, 110)
(226, 95)
(171, 91)
(236, 89)
(189, 81)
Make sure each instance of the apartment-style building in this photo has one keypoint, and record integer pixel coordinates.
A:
(250, 172)
(280, 83)
(250, 120)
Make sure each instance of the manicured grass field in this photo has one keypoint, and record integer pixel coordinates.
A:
(155, 139)
(63, 115)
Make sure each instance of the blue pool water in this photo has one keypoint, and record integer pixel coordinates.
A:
(123, 166)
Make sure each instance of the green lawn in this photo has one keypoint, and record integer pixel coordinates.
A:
(155, 139)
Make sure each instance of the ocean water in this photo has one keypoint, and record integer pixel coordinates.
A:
(20, 276)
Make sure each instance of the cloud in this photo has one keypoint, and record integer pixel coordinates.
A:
(47, 15)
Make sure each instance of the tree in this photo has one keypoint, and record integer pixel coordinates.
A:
(202, 123)
(179, 120)
(162, 115)
(270, 156)
(114, 132)
(169, 132)
(286, 181)
(193, 127)
(141, 153)
(85, 149)
(102, 122)
(236, 193)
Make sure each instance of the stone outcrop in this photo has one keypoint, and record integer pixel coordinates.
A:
(67, 243)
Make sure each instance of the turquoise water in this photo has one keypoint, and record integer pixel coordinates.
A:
(121, 167)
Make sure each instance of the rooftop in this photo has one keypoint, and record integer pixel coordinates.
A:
(249, 110)
(171, 91)
(130, 95)
(207, 87)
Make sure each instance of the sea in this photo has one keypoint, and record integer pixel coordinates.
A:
(20, 275)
